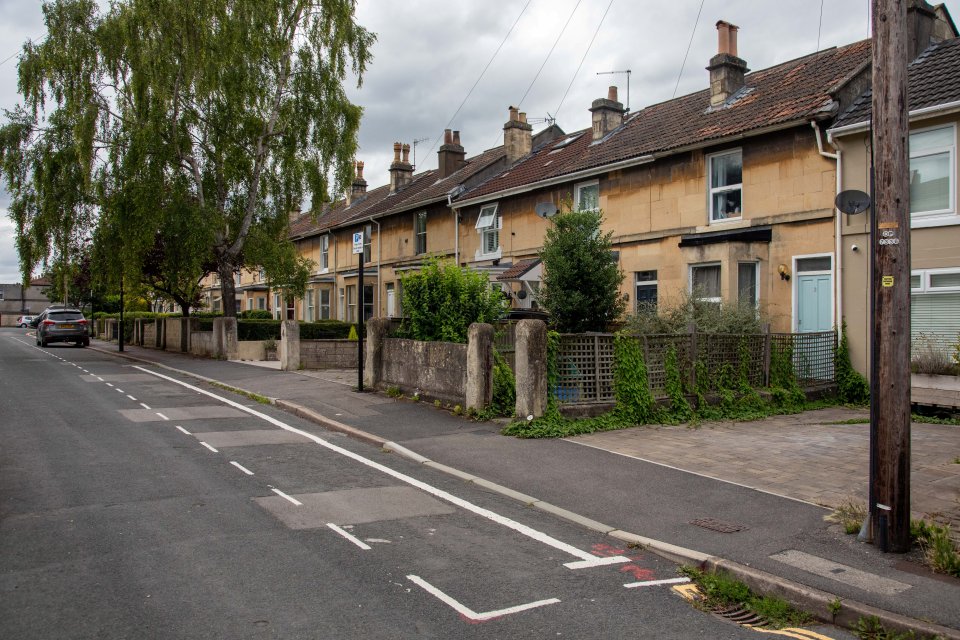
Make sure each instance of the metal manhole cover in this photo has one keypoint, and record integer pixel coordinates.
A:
(718, 525)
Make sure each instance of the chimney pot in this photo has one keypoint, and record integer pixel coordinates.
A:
(406, 153)
(447, 136)
(456, 137)
(523, 117)
(396, 152)
(359, 169)
(517, 136)
(612, 94)
(514, 114)
(727, 38)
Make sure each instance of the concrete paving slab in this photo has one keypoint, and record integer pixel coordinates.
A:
(353, 506)
(181, 413)
(249, 438)
(841, 573)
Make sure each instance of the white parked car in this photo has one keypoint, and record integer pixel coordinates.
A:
(24, 321)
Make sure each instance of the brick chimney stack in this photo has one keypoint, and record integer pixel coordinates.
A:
(607, 114)
(401, 171)
(294, 213)
(358, 189)
(726, 69)
(451, 155)
(517, 136)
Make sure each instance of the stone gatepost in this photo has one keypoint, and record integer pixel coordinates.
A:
(161, 333)
(377, 330)
(225, 338)
(479, 390)
(531, 368)
(289, 347)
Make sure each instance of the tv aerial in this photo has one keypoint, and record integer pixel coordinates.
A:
(627, 72)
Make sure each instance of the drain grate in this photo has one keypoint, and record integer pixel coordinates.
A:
(741, 616)
(718, 525)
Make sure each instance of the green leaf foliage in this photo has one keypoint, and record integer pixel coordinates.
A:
(180, 130)
(442, 300)
(581, 279)
(852, 387)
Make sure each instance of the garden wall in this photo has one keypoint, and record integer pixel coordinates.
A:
(437, 369)
(202, 344)
(328, 354)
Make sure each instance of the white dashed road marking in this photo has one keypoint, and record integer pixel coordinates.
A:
(284, 496)
(209, 447)
(239, 466)
(350, 537)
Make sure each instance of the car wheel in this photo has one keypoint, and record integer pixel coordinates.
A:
(85, 343)
(22, 325)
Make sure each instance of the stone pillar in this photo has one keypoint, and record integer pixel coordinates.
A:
(531, 368)
(479, 366)
(377, 330)
(289, 348)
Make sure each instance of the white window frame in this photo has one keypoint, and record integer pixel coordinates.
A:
(278, 307)
(578, 188)
(368, 243)
(711, 190)
(309, 306)
(926, 287)
(637, 283)
(341, 305)
(261, 303)
(351, 302)
(249, 304)
(325, 253)
(493, 223)
(949, 215)
(690, 269)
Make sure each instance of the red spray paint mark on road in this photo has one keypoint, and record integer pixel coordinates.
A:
(606, 551)
(639, 573)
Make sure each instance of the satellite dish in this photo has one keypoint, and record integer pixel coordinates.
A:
(852, 201)
(545, 209)
(521, 294)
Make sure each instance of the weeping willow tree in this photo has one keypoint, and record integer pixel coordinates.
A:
(223, 113)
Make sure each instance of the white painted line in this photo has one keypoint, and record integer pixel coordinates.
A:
(286, 497)
(98, 378)
(239, 466)
(523, 529)
(594, 561)
(162, 416)
(469, 613)
(119, 390)
(184, 430)
(360, 543)
(131, 397)
(694, 473)
(109, 384)
(208, 446)
(653, 583)
(145, 406)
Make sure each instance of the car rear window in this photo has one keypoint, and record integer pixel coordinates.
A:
(64, 316)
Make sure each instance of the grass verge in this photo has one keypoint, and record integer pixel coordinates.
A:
(256, 397)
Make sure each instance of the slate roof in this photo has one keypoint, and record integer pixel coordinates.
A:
(931, 81)
(793, 91)
(425, 188)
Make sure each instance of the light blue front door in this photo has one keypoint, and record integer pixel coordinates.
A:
(814, 294)
(813, 357)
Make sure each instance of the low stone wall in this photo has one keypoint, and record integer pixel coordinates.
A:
(251, 350)
(149, 333)
(437, 369)
(328, 354)
(202, 344)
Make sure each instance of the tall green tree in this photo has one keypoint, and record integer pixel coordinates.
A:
(242, 101)
(581, 279)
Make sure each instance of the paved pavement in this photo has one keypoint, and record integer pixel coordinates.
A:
(810, 457)
(746, 493)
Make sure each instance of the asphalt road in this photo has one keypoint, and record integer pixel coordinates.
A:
(136, 504)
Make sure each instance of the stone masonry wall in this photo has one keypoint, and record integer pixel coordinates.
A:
(328, 354)
(437, 369)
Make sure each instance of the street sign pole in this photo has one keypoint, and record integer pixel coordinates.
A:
(358, 249)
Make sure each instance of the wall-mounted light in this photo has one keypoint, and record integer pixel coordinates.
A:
(784, 272)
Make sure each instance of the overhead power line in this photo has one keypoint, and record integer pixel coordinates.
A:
(689, 44)
(556, 111)
(560, 35)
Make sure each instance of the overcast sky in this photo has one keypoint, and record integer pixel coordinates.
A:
(429, 53)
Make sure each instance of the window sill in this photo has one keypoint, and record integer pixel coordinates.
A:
(939, 220)
(723, 221)
(496, 255)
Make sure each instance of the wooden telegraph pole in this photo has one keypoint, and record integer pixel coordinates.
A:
(890, 510)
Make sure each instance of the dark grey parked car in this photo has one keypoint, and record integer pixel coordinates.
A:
(62, 325)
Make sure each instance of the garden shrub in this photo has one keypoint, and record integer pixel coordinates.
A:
(852, 388)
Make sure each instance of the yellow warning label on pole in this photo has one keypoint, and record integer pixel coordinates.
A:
(887, 281)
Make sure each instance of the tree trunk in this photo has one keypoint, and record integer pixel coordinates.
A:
(228, 291)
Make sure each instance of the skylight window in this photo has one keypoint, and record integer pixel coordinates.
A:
(566, 141)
